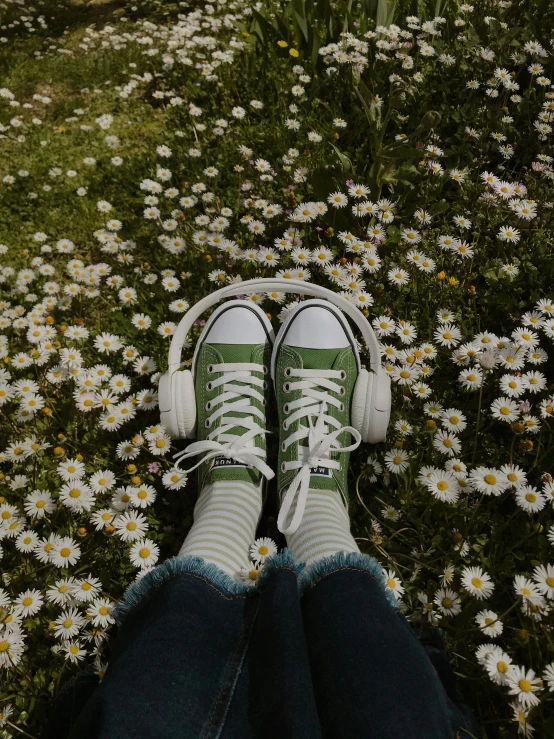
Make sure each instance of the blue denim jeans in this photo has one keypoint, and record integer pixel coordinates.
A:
(308, 653)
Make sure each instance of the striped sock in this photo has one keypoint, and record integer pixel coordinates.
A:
(226, 516)
(324, 530)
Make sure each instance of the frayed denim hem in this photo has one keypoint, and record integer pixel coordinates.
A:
(283, 561)
(308, 576)
(313, 573)
(187, 565)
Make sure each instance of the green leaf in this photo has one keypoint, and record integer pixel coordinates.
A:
(400, 152)
(302, 24)
(438, 208)
(345, 162)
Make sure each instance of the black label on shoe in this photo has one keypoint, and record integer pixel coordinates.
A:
(320, 471)
(225, 462)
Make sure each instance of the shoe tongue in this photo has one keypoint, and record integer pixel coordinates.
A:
(317, 359)
(229, 469)
(235, 352)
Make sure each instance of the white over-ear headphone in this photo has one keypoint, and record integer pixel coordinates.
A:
(371, 401)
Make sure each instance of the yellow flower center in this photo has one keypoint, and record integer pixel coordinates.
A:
(63, 589)
(391, 583)
(144, 552)
(454, 419)
(489, 621)
(263, 550)
(65, 552)
(502, 667)
(524, 685)
(476, 582)
(447, 602)
(4, 646)
(530, 497)
(74, 493)
(103, 611)
(67, 623)
(442, 485)
(490, 479)
(73, 649)
(131, 526)
(27, 601)
(512, 477)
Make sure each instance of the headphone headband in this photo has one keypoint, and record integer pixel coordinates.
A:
(269, 284)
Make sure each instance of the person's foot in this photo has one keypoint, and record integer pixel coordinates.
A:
(314, 366)
(231, 371)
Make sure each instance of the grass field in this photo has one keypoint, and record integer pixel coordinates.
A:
(398, 153)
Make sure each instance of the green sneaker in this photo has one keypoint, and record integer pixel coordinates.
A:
(314, 366)
(230, 368)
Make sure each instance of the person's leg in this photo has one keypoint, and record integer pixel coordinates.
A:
(371, 677)
(230, 366)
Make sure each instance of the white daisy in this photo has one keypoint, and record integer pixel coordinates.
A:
(144, 553)
(524, 685)
(262, 548)
(477, 582)
(489, 623)
(393, 583)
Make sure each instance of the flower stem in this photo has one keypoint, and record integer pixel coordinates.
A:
(478, 418)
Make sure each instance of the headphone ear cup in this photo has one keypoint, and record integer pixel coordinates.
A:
(184, 399)
(380, 407)
(371, 406)
(359, 412)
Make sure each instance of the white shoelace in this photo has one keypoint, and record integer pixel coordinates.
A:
(235, 398)
(321, 441)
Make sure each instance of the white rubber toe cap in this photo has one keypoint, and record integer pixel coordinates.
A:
(317, 326)
(237, 325)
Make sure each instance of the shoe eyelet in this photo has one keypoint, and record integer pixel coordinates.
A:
(342, 391)
(263, 402)
(283, 467)
(341, 407)
(207, 423)
(265, 385)
(208, 386)
(265, 369)
(340, 467)
(210, 369)
(283, 447)
(288, 371)
(342, 375)
(285, 426)
(208, 406)
(286, 387)
(286, 408)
